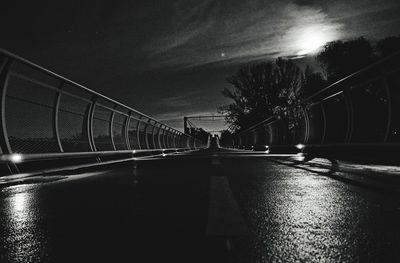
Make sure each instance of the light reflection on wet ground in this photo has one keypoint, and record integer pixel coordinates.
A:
(297, 215)
(22, 238)
(158, 209)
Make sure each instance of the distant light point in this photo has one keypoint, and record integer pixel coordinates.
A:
(222, 54)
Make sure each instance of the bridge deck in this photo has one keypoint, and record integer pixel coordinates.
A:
(204, 206)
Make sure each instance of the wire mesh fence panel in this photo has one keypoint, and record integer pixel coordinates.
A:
(72, 124)
(119, 132)
(157, 137)
(149, 135)
(29, 113)
(168, 138)
(142, 134)
(132, 134)
(101, 129)
(160, 138)
(43, 112)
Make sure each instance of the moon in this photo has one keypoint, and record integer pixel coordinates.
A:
(311, 39)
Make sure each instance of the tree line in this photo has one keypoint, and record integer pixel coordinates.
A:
(260, 90)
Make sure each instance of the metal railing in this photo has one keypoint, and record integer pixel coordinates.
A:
(42, 112)
(362, 109)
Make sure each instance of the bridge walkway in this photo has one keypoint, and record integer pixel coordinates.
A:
(212, 205)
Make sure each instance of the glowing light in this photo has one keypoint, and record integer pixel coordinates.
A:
(300, 146)
(222, 54)
(164, 155)
(16, 158)
(300, 157)
(20, 202)
(310, 39)
(266, 149)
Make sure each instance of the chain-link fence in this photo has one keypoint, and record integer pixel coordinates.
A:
(361, 109)
(42, 112)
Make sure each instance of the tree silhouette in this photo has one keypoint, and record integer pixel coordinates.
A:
(260, 90)
(388, 46)
(341, 58)
(312, 82)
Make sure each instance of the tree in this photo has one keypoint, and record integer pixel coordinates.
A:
(259, 91)
(312, 83)
(342, 58)
(388, 46)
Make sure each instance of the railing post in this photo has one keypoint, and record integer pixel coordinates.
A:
(307, 120)
(159, 136)
(153, 135)
(174, 139)
(138, 132)
(89, 123)
(160, 131)
(350, 115)
(55, 117)
(4, 70)
(126, 131)
(111, 129)
(165, 137)
(324, 123)
(168, 138)
(145, 133)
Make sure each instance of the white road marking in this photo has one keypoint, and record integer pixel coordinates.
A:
(224, 217)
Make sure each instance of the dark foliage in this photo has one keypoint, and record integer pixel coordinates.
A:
(342, 58)
(259, 90)
(388, 46)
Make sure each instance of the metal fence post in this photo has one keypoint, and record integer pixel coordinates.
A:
(89, 123)
(4, 70)
(307, 120)
(55, 117)
(145, 133)
(324, 123)
(350, 115)
(126, 131)
(138, 132)
(153, 135)
(111, 129)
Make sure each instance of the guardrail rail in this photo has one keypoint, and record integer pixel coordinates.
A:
(44, 113)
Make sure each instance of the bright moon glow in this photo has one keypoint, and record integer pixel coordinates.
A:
(309, 39)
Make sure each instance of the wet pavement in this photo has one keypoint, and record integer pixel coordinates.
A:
(206, 206)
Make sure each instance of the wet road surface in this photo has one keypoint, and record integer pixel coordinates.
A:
(206, 206)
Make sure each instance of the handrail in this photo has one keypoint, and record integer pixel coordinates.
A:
(53, 74)
(328, 88)
(379, 77)
(72, 120)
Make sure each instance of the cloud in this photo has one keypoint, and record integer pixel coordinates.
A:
(179, 100)
(252, 31)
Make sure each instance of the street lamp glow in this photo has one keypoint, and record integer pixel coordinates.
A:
(16, 158)
(300, 146)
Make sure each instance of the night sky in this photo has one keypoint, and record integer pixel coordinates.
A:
(169, 59)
